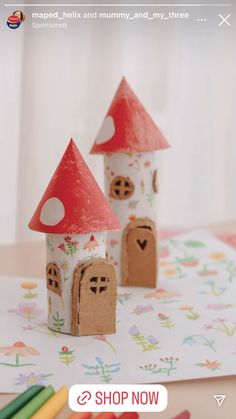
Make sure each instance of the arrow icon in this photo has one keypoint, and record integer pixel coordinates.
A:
(219, 398)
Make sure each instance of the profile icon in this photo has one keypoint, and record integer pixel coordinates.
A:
(15, 20)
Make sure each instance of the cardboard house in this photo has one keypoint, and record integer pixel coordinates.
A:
(129, 140)
(81, 283)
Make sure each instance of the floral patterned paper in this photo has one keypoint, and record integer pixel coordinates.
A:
(184, 329)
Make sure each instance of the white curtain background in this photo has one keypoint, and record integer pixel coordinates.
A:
(58, 84)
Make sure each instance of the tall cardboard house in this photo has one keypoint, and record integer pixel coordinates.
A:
(129, 140)
(81, 283)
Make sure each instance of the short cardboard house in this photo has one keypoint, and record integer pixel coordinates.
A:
(81, 283)
(129, 139)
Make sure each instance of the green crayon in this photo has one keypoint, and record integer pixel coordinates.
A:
(34, 404)
(11, 408)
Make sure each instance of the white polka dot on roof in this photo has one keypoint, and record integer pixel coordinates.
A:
(52, 212)
(107, 131)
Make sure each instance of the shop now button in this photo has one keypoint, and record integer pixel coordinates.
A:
(118, 398)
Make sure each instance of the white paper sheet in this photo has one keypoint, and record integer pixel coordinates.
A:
(186, 329)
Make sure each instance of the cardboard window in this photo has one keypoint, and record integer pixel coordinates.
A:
(97, 286)
(53, 276)
(154, 182)
(121, 188)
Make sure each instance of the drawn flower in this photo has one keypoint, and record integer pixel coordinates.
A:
(210, 365)
(27, 310)
(217, 256)
(165, 263)
(152, 340)
(220, 320)
(66, 356)
(18, 349)
(160, 293)
(91, 244)
(187, 308)
(219, 306)
(191, 315)
(103, 370)
(140, 309)
(170, 272)
(134, 330)
(132, 217)
(208, 326)
(32, 379)
(189, 261)
(189, 341)
(29, 286)
(164, 252)
(123, 297)
(168, 365)
(104, 339)
(208, 273)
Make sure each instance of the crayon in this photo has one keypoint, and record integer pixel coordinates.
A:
(15, 405)
(80, 415)
(183, 415)
(53, 405)
(129, 415)
(106, 415)
(34, 404)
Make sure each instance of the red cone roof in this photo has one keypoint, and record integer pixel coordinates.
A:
(127, 126)
(73, 203)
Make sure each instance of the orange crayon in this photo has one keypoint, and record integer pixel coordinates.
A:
(80, 415)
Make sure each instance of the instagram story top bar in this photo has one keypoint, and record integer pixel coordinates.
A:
(120, 5)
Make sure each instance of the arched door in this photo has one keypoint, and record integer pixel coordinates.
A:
(94, 296)
(139, 254)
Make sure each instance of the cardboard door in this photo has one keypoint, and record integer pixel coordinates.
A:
(141, 257)
(97, 298)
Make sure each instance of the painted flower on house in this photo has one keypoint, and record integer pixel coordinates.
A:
(69, 246)
(91, 244)
(32, 379)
